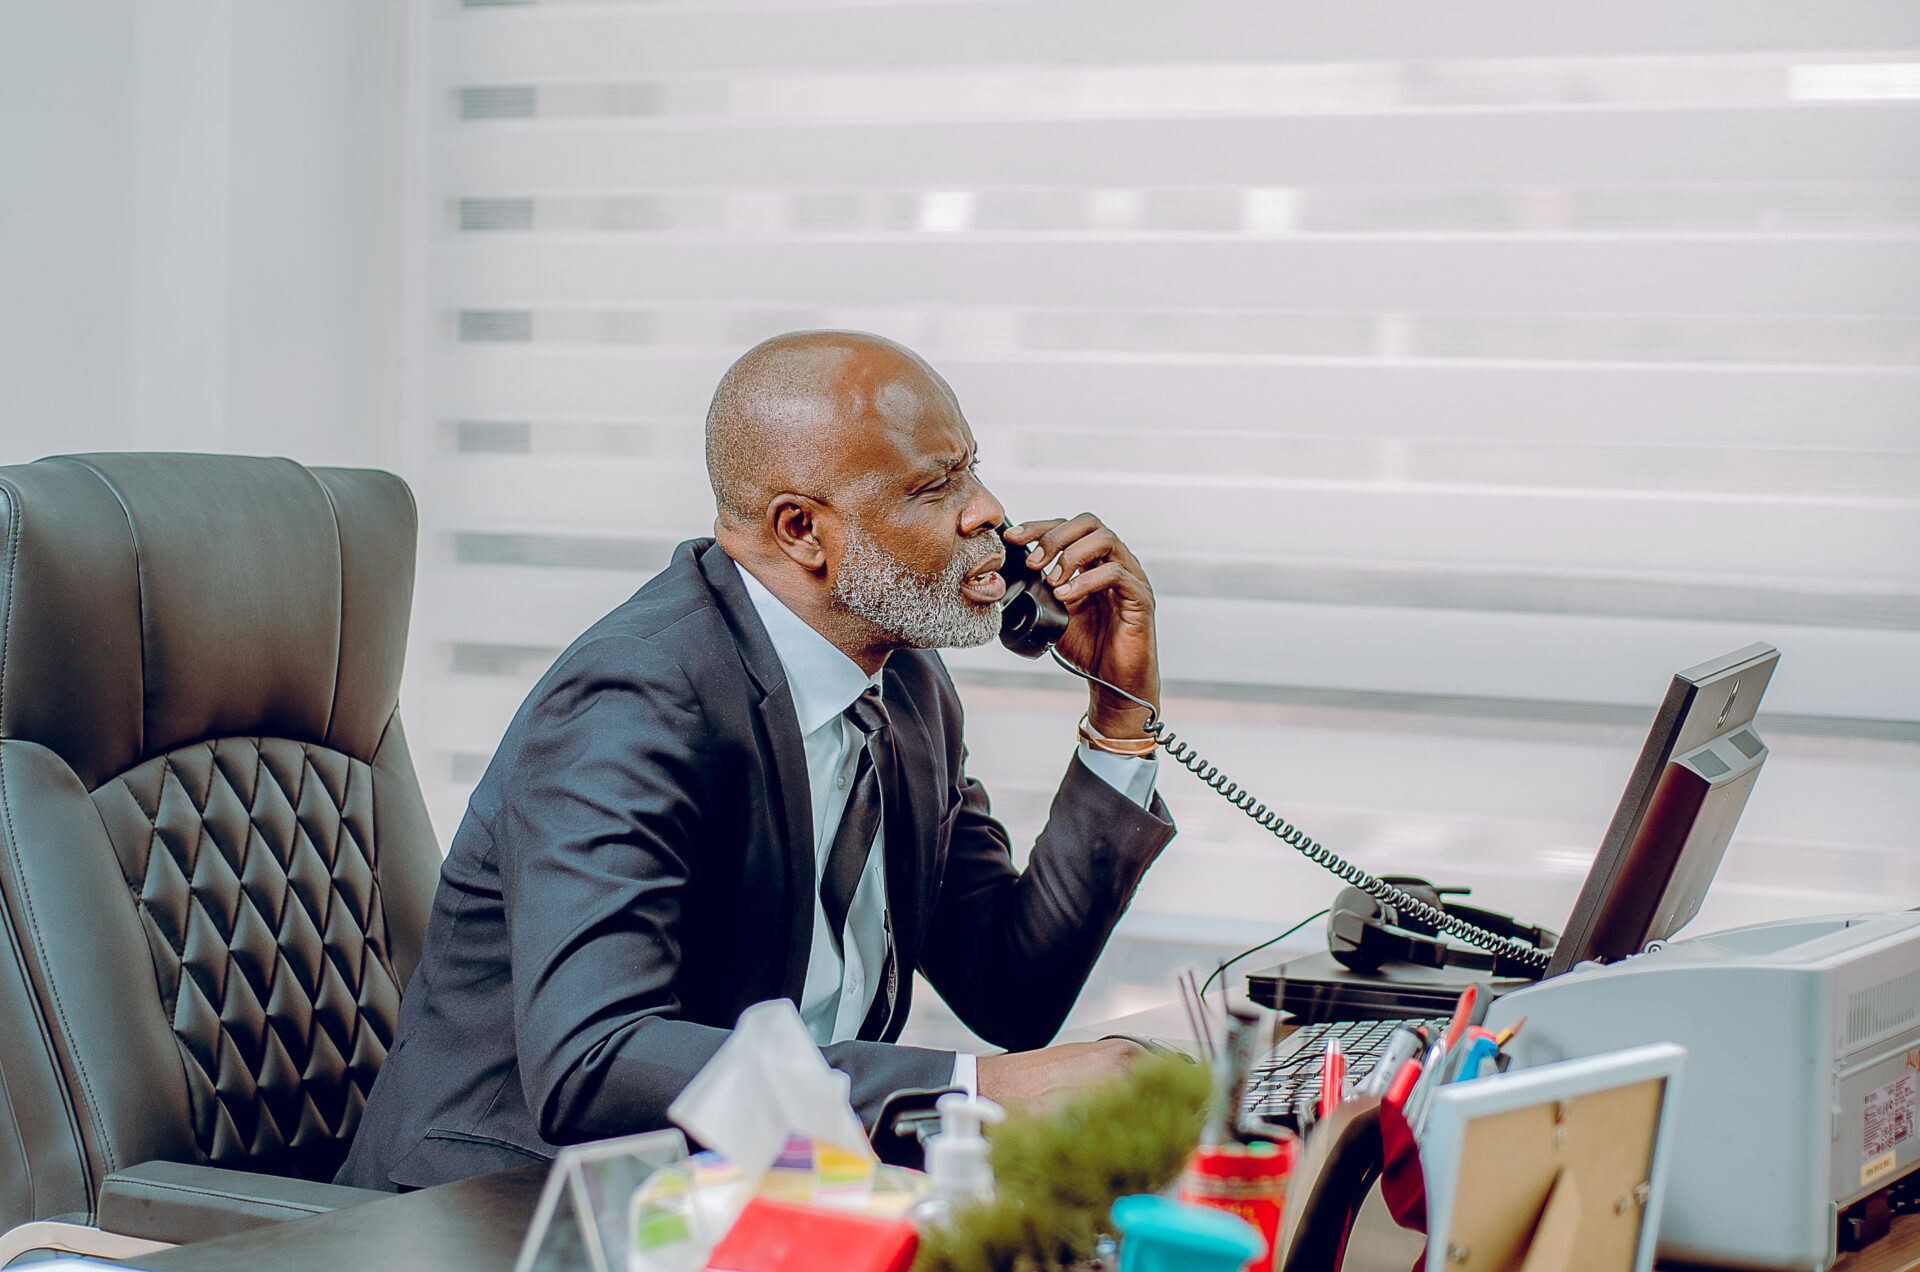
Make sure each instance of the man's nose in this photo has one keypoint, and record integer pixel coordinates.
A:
(983, 511)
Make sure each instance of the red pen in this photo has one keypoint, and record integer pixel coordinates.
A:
(1403, 1084)
(1462, 1015)
(1333, 1076)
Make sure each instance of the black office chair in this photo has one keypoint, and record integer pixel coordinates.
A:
(215, 863)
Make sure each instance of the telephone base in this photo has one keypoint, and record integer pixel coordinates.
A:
(1315, 988)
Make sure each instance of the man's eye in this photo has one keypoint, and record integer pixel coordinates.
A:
(946, 483)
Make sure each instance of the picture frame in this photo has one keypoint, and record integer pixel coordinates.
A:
(1531, 1168)
(597, 1180)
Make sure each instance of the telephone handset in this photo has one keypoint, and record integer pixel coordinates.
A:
(1032, 620)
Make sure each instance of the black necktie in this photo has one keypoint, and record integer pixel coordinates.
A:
(858, 824)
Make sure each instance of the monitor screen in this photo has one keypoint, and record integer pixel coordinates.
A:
(1686, 792)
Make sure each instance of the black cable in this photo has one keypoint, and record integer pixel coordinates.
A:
(1208, 983)
(1287, 833)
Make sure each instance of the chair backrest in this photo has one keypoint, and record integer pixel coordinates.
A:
(215, 862)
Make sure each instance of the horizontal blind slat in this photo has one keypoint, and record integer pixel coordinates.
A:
(1853, 142)
(1879, 276)
(1870, 407)
(1759, 536)
(1419, 653)
(559, 40)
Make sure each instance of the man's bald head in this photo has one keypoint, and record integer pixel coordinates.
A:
(782, 412)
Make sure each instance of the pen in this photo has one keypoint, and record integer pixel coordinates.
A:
(1429, 1078)
(1304, 1107)
(1463, 1063)
(1417, 1117)
(1462, 1014)
(1418, 1122)
(1230, 1065)
(1430, 1067)
(1445, 1049)
(1506, 1035)
(1333, 1076)
(1402, 1084)
(1403, 1044)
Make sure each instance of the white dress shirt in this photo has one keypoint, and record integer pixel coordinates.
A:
(824, 682)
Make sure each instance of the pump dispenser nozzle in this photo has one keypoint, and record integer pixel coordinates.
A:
(957, 1163)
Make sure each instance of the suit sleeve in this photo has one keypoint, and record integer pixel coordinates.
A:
(594, 839)
(1010, 950)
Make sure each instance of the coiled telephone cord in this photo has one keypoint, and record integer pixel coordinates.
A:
(1287, 833)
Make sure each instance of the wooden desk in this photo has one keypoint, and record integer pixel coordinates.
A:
(1898, 1251)
(471, 1226)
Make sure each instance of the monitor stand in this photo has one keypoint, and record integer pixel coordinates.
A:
(1316, 988)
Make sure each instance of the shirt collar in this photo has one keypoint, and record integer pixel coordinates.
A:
(823, 680)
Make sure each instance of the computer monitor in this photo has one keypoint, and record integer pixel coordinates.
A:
(1654, 866)
(1686, 792)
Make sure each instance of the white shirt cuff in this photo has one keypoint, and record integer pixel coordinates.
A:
(1131, 775)
(966, 1072)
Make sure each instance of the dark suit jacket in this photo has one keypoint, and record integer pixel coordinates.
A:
(637, 866)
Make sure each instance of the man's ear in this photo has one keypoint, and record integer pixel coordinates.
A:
(800, 528)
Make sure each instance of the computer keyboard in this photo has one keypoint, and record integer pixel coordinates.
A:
(1276, 1084)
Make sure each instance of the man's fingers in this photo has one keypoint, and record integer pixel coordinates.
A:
(1061, 533)
(1027, 531)
(1073, 544)
(1107, 576)
(1084, 553)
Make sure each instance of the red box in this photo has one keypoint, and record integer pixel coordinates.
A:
(779, 1236)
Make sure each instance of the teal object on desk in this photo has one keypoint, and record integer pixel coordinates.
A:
(1481, 1051)
(1163, 1235)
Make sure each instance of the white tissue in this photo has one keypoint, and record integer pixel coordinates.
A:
(766, 1082)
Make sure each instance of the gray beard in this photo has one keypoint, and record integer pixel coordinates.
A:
(922, 611)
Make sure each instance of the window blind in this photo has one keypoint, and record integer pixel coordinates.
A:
(1478, 362)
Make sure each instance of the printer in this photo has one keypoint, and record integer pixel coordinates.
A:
(1803, 1041)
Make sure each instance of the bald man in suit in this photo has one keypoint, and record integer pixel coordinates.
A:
(748, 782)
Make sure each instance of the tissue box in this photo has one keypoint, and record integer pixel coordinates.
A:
(814, 1173)
(778, 1236)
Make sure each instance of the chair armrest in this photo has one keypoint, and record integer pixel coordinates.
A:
(175, 1202)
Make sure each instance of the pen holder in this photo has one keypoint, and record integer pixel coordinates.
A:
(1338, 1165)
(1245, 1180)
(1361, 1145)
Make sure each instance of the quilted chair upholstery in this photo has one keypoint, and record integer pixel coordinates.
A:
(215, 863)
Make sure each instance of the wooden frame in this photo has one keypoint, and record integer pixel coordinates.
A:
(1552, 1168)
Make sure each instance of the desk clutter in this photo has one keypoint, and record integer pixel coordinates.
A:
(1165, 1168)
(1557, 1167)
(791, 1182)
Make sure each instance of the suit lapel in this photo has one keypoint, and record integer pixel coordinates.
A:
(910, 829)
(780, 727)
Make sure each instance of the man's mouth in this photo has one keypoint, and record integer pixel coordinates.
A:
(985, 586)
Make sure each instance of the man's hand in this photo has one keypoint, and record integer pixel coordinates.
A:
(1111, 603)
(1042, 1078)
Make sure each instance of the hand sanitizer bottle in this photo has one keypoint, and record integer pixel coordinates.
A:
(957, 1163)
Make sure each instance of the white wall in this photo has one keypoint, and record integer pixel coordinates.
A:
(66, 227)
(201, 227)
